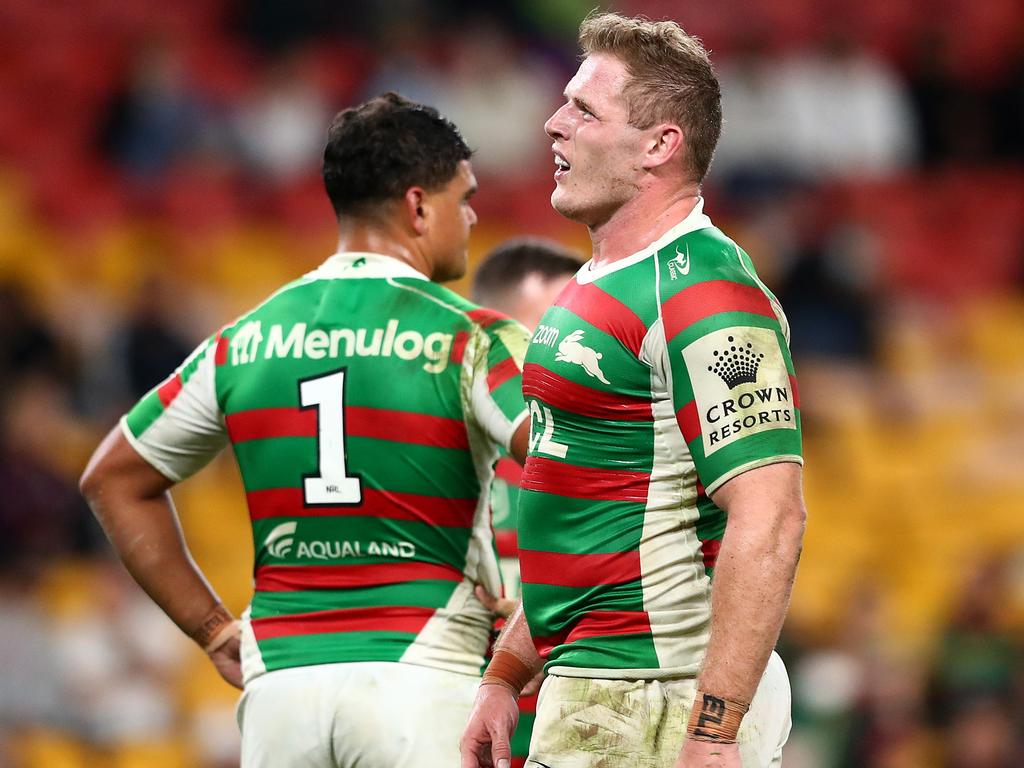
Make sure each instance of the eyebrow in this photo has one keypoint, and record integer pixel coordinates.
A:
(581, 103)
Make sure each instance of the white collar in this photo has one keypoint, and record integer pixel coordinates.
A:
(356, 264)
(695, 220)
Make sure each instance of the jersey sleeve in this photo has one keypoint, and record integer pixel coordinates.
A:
(731, 378)
(495, 382)
(178, 427)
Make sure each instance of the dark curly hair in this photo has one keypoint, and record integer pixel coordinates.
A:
(379, 149)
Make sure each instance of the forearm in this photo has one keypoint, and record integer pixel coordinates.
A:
(753, 581)
(132, 503)
(148, 540)
(515, 661)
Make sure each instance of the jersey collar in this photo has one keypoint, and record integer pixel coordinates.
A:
(695, 220)
(355, 264)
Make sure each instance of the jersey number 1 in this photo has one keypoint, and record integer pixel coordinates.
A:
(330, 485)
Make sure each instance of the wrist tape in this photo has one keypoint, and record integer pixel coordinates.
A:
(715, 719)
(509, 670)
(216, 629)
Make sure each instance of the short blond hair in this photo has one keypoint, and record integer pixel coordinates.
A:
(671, 78)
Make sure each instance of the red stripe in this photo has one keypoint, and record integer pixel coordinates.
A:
(263, 423)
(711, 298)
(796, 392)
(169, 389)
(485, 317)
(397, 618)
(562, 570)
(501, 373)
(289, 578)
(603, 623)
(507, 542)
(548, 476)
(552, 389)
(689, 421)
(528, 704)
(596, 624)
(710, 550)
(378, 423)
(392, 505)
(517, 762)
(509, 470)
(604, 312)
(221, 355)
(459, 347)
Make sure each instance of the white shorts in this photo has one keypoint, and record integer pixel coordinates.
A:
(366, 714)
(582, 722)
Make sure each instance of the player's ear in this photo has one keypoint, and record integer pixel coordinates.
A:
(664, 142)
(416, 210)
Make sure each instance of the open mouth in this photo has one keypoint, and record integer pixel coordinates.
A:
(562, 166)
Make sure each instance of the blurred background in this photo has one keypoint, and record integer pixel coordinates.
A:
(159, 174)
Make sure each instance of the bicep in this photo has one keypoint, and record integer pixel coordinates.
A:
(763, 496)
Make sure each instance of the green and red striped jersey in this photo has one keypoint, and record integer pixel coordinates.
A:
(366, 407)
(650, 383)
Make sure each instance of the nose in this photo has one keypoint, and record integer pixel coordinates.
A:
(555, 127)
(472, 217)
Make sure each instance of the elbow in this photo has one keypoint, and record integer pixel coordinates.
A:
(89, 483)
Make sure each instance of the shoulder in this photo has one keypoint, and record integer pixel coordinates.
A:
(705, 274)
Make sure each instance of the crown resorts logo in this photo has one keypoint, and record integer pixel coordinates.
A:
(737, 366)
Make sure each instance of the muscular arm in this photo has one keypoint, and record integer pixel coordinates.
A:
(132, 503)
(753, 576)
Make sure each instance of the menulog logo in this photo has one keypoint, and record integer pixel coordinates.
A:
(249, 343)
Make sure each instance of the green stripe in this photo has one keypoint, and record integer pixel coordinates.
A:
(549, 608)
(282, 462)
(630, 376)
(603, 443)
(419, 594)
(144, 413)
(596, 526)
(333, 647)
(520, 743)
(710, 524)
(509, 397)
(607, 652)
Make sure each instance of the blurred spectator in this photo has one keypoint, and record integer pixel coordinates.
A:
(156, 118)
(42, 515)
(828, 285)
(980, 662)
(116, 656)
(951, 115)
(31, 690)
(153, 345)
(500, 99)
(27, 344)
(756, 153)
(280, 128)
(848, 114)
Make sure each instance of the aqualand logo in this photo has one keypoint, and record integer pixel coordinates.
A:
(280, 540)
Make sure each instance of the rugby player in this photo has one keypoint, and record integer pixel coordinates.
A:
(665, 447)
(521, 277)
(366, 406)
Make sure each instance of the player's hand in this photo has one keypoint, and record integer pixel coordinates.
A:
(485, 742)
(499, 605)
(707, 754)
(533, 687)
(228, 660)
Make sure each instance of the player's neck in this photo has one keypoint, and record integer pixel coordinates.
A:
(359, 237)
(640, 222)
